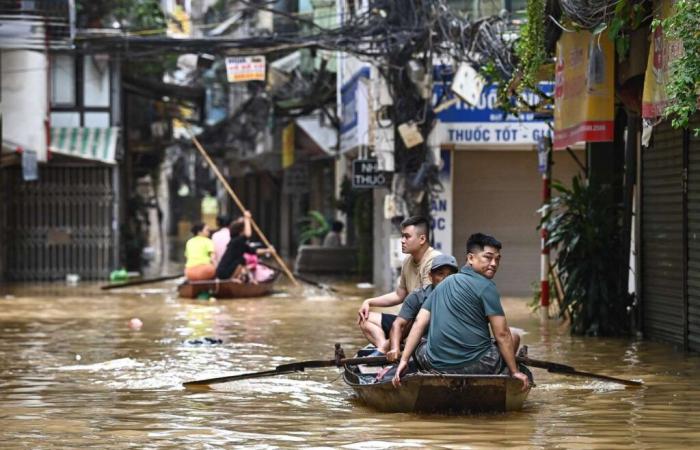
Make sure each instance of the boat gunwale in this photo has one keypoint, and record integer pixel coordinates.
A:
(428, 375)
(270, 280)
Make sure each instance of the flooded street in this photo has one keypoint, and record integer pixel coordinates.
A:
(75, 375)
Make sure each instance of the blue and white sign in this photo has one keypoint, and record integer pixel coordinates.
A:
(441, 207)
(483, 125)
(354, 120)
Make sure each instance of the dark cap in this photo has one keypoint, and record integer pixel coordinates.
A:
(444, 260)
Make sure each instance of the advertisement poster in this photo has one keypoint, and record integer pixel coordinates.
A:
(584, 97)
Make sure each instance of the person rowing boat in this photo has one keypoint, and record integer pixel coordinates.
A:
(459, 313)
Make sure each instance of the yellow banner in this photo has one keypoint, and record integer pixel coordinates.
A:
(584, 101)
(288, 146)
(661, 51)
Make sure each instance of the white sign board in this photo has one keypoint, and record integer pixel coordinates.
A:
(245, 68)
(441, 208)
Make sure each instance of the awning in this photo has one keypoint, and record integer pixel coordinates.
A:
(97, 144)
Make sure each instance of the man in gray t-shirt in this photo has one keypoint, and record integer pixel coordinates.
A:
(442, 267)
(459, 313)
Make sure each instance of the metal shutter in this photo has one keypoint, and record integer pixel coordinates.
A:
(694, 240)
(58, 225)
(662, 236)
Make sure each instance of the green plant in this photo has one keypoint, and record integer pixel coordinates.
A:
(530, 48)
(583, 227)
(684, 80)
(314, 225)
(132, 15)
(628, 17)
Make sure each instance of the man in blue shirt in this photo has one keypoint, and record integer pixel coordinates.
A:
(459, 312)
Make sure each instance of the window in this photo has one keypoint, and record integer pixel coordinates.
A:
(62, 80)
(80, 90)
(96, 80)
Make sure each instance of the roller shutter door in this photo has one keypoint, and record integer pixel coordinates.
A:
(662, 236)
(694, 241)
(499, 193)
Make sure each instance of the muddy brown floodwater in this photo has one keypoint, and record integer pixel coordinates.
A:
(74, 375)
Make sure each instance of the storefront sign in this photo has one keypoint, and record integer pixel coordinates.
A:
(245, 68)
(354, 121)
(483, 124)
(441, 207)
(584, 89)
(366, 174)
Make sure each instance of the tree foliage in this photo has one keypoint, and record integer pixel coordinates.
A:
(684, 81)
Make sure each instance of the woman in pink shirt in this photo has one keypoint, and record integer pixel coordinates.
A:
(221, 238)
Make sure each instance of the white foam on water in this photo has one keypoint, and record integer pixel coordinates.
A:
(599, 386)
(115, 364)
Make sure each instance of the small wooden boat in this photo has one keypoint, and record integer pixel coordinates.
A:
(227, 288)
(426, 392)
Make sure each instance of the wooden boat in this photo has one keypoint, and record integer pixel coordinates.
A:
(226, 288)
(425, 392)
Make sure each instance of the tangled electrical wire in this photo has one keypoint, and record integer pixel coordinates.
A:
(399, 37)
(589, 13)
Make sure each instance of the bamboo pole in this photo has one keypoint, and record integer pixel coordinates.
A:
(238, 203)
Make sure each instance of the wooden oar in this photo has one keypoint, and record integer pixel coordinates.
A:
(568, 370)
(138, 282)
(233, 195)
(289, 368)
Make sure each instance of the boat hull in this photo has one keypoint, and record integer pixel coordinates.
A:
(226, 289)
(444, 393)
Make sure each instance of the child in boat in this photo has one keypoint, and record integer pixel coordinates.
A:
(198, 254)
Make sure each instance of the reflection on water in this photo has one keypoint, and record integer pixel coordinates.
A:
(73, 374)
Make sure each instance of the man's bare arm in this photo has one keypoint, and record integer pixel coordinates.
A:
(389, 299)
(395, 336)
(421, 323)
(501, 332)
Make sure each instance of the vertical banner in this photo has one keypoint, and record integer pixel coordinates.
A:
(441, 207)
(661, 51)
(584, 99)
(288, 146)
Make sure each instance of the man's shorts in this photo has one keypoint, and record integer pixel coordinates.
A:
(387, 322)
(490, 362)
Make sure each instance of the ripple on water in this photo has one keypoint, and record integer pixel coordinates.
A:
(126, 391)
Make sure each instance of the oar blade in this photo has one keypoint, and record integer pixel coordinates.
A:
(563, 369)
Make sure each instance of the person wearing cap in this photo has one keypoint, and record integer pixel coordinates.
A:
(443, 266)
(459, 313)
(415, 241)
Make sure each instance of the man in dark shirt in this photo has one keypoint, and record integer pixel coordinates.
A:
(459, 313)
(442, 267)
(232, 264)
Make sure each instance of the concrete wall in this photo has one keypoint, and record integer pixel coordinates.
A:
(384, 276)
(24, 100)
